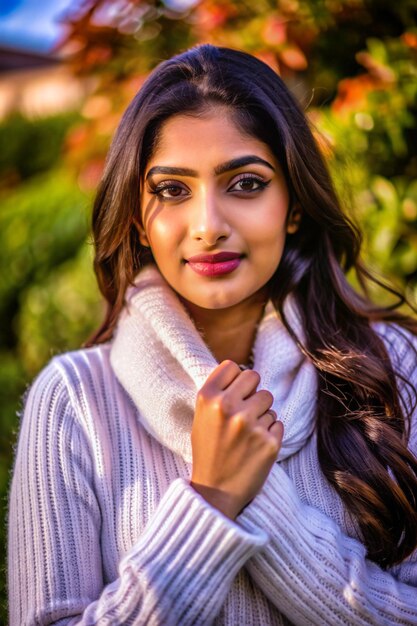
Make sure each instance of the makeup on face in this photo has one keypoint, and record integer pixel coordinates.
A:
(217, 264)
(214, 211)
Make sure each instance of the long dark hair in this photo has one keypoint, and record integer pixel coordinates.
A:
(362, 420)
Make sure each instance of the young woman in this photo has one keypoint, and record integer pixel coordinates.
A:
(237, 445)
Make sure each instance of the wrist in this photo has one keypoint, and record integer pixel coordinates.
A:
(218, 499)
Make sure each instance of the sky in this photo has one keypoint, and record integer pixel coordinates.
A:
(32, 24)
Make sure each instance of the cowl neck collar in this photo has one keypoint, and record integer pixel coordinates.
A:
(162, 361)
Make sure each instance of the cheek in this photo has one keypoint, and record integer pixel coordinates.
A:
(267, 231)
(163, 234)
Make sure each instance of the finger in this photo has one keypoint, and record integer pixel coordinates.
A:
(258, 404)
(277, 430)
(223, 375)
(244, 385)
(267, 419)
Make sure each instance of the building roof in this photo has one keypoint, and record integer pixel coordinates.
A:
(13, 59)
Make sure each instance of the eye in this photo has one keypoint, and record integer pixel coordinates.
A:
(249, 183)
(169, 190)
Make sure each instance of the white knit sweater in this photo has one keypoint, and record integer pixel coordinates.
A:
(104, 527)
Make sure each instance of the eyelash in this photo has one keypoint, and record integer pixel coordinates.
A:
(262, 184)
(168, 184)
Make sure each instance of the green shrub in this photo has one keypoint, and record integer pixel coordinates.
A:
(28, 147)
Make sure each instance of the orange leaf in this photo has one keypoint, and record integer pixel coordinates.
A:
(410, 39)
(274, 32)
(352, 92)
(294, 58)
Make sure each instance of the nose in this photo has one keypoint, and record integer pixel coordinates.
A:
(209, 223)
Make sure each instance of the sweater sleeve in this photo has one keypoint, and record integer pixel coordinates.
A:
(178, 572)
(311, 570)
(315, 574)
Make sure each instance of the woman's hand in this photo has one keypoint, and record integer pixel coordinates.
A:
(235, 438)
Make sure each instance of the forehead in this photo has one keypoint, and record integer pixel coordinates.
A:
(214, 135)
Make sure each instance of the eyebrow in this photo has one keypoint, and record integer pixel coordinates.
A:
(233, 164)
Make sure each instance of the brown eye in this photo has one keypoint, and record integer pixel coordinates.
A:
(169, 191)
(249, 184)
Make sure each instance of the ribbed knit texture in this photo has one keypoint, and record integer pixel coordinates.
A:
(104, 527)
(157, 353)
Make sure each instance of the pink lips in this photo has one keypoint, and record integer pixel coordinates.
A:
(215, 264)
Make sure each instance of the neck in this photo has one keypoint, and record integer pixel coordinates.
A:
(229, 333)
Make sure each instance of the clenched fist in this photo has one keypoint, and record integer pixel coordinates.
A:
(235, 438)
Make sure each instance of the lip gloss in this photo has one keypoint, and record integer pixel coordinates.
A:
(215, 264)
(215, 269)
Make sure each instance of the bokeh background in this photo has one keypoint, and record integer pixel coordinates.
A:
(63, 85)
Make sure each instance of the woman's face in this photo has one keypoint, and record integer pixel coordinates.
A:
(213, 210)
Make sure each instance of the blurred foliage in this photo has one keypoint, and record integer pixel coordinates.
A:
(48, 298)
(30, 146)
(64, 306)
(369, 133)
(351, 63)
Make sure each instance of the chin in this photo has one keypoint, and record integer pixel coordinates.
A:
(211, 305)
(219, 302)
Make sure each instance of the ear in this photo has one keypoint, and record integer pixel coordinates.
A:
(294, 219)
(142, 234)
